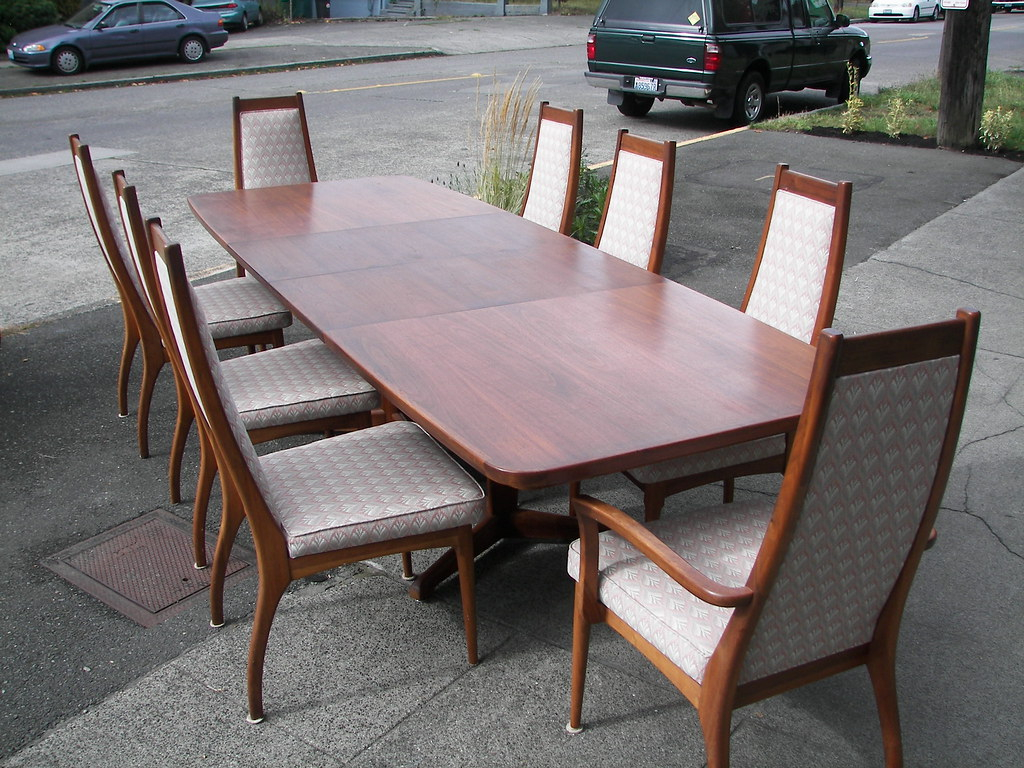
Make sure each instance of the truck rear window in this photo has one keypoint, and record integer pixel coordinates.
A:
(630, 12)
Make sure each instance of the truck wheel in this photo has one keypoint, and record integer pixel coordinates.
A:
(635, 106)
(750, 99)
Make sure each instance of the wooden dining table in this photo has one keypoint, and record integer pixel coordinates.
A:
(535, 358)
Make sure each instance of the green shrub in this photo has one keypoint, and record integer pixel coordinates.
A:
(18, 15)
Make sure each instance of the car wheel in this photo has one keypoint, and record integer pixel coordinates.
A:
(635, 106)
(917, 15)
(750, 99)
(259, 17)
(935, 12)
(66, 61)
(192, 50)
(245, 22)
(845, 92)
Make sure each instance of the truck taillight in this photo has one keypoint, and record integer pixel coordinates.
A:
(712, 57)
(591, 48)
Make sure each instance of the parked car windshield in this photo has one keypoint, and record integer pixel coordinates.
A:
(630, 12)
(87, 13)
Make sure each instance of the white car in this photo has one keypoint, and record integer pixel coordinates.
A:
(894, 10)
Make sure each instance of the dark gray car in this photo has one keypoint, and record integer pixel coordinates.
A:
(119, 30)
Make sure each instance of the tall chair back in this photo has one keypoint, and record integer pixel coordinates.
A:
(634, 225)
(555, 174)
(795, 281)
(271, 142)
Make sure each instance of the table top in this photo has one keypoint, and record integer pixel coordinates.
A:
(536, 358)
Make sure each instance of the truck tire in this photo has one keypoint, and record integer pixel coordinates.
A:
(750, 99)
(844, 84)
(635, 106)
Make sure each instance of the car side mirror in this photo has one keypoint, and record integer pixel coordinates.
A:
(842, 20)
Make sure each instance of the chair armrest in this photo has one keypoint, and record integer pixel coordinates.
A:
(678, 568)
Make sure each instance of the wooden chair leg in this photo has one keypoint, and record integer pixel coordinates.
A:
(728, 490)
(654, 501)
(580, 649)
(716, 722)
(467, 588)
(407, 572)
(204, 486)
(231, 518)
(131, 343)
(272, 586)
(882, 668)
(152, 362)
(182, 425)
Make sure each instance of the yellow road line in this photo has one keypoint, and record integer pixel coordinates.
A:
(686, 143)
(474, 76)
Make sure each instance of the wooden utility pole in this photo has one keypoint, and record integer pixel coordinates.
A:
(962, 66)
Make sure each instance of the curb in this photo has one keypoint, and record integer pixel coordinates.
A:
(209, 74)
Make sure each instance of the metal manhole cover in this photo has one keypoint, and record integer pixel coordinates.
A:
(142, 568)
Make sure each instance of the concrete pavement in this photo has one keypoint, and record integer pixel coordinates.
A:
(359, 675)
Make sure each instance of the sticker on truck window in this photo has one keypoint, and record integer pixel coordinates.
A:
(694, 18)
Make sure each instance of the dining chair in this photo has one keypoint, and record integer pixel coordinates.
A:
(555, 173)
(634, 224)
(299, 389)
(382, 490)
(241, 312)
(794, 286)
(739, 602)
(270, 141)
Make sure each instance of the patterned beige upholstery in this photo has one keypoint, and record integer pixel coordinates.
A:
(552, 163)
(787, 292)
(722, 542)
(237, 306)
(367, 486)
(699, 463)
(873, 475)
(373, 485)
(273, 148)
(632, 211)
(299, 382)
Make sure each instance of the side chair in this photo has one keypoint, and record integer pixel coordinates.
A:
(794, 287)
(241, 312)
(383, 490)
(555, 173)
(739, 602)
(300, 389)
(634, 224)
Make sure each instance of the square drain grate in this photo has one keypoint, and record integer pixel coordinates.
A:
(143, 568)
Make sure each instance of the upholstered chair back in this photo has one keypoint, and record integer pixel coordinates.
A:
(796, 279)
(272, 144)
(111, 242)
(554, 177)
(198, 357)
(634, 226)
(878, 460)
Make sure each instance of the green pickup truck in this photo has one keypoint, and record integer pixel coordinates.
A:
(725, 54)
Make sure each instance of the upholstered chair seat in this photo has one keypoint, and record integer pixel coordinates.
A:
(301, 382)
(707, 461)
(374, 485)
(240, 306)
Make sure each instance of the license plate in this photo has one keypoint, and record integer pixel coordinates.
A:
(647, 84)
